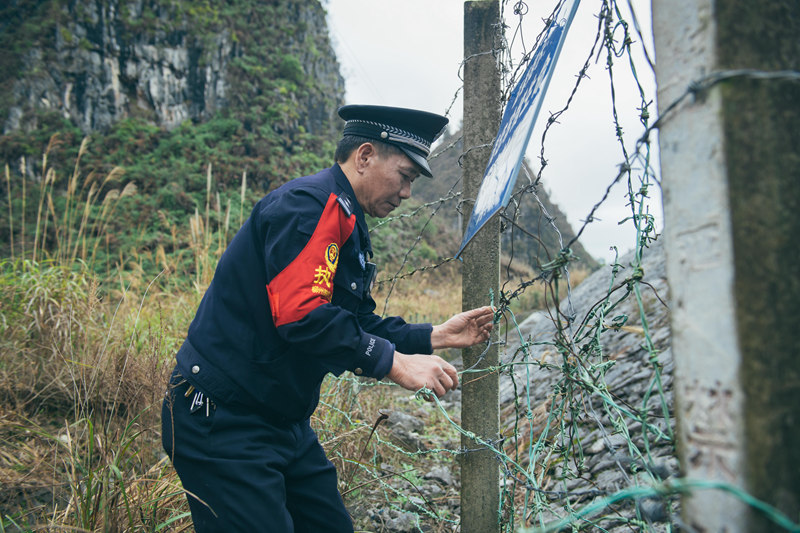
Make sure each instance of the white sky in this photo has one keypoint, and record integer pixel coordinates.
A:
(407, 53)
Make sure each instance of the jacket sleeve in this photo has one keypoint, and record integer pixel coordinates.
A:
(300, 271)
(407, 338)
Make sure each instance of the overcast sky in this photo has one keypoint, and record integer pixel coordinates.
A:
(407, 53)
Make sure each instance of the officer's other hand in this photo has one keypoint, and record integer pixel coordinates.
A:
(414, 372)
(464, 329)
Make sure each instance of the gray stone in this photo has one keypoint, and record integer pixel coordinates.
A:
(432, 491)
(101, 70)
(414, 503)
(653, 510)
(612, 442)
(608, 465)
(440, 474)
(403, 421)
(403, 523)
(403, 430)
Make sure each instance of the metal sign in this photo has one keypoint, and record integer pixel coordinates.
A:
(517, 124)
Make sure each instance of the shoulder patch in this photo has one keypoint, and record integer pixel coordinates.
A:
(346, 203)
(307, 282)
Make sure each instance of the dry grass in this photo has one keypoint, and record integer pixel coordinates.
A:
(83, 369)
(434, 295)
(81, 381)
(430, 296)
(85, 359)
(377, 469)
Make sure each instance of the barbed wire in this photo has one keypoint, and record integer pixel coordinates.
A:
(566, 405)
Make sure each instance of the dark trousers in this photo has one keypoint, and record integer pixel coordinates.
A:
(242, 473)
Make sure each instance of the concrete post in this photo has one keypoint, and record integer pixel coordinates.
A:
(480, 473)
(731, 179)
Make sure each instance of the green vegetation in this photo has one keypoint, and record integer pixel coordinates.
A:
(80, 378)
(262, 131)
(108, 241)
(88, 334)
(84, 369)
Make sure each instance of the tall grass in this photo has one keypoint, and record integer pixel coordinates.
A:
(85, 358)
(69, 217)
(87, 344)
(80, 383)
(86, 351)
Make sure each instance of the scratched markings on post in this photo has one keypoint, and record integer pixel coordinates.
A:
(711, 412)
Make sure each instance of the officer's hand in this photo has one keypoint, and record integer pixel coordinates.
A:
(464, 329)
(414, 372)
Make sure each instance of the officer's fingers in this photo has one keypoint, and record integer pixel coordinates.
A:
(450, 371)
(433, 380)
(482, 314)
(434, 386)
(486, 314)
(446, 381)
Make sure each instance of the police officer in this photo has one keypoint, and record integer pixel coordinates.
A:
(290, 302)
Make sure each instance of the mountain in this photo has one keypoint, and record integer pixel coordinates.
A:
(261, 73)
(97, 63)
(164, 109)
(191, 107)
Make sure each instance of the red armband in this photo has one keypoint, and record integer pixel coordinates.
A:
(307, 282)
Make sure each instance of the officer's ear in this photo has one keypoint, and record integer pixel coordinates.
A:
(364, 154)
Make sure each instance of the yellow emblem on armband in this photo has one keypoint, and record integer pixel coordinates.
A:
(323, 275)
(332, 256)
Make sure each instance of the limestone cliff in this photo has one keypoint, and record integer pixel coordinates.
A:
(96, 62)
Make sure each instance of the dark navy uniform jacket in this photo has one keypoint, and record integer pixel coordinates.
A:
(289, 302)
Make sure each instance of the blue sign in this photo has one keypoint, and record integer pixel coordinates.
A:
(517, 124)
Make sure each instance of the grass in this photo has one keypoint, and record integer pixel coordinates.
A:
(86, 355)
(88, 344)
(81, 381)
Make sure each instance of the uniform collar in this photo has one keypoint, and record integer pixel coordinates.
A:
(361, 220)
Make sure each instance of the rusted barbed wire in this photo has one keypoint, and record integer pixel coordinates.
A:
(534, 451)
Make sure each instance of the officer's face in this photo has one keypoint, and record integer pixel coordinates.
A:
(388, 183)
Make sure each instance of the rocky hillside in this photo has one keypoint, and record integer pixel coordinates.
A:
(616, 402)
(97, 63)
(185, 106)
(167, 88)
(191, 102)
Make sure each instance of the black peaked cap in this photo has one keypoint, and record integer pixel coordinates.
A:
(410, 130)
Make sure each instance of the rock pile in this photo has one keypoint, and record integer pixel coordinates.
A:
(429, 490)
(617, 421)
(618, 430)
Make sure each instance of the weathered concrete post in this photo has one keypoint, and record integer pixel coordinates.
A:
(480, 473)
(731, 177)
